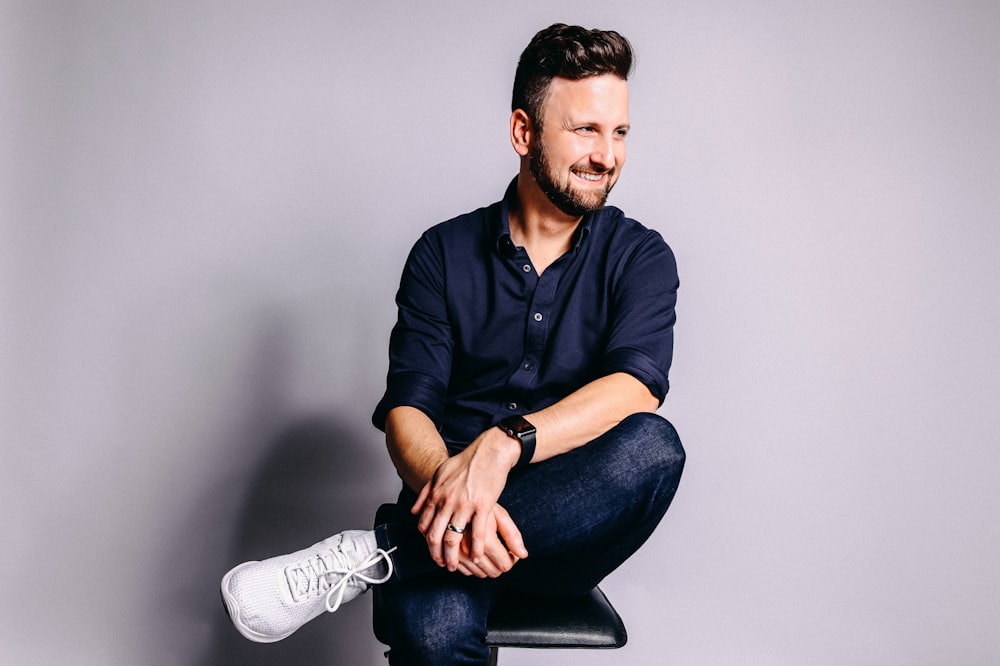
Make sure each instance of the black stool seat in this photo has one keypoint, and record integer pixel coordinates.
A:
(586, 622)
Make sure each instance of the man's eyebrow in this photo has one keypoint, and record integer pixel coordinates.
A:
(570, 121)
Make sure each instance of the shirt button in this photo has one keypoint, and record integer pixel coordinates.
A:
(538, 316)
(527, 268)
(511, 406)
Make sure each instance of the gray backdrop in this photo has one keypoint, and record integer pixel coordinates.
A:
(205, 209)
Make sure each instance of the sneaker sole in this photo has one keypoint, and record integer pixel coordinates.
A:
(233, 610)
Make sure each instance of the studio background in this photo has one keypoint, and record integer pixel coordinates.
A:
(205, 211)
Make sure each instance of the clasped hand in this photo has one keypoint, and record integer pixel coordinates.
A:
(463, 493)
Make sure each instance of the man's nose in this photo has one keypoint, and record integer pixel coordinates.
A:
(603, 153)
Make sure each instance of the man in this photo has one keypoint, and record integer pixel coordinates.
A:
(532, 347)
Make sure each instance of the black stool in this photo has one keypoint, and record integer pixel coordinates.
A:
(587, 622)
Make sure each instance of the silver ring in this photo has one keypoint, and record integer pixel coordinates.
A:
(456, 530)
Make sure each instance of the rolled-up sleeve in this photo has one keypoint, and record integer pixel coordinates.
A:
(641, 339)
(421, 343)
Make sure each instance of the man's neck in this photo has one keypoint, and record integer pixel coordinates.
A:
(545, 232)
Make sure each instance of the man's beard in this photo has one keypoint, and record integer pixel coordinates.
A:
(572, 202)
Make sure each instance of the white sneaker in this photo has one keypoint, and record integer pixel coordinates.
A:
(270, 600)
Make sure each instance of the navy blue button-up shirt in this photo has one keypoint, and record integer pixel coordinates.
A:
(480, 335)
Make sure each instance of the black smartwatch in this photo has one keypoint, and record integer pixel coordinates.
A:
(519, 428)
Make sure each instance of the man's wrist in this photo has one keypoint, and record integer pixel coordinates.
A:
(506, 448)
(521, 430)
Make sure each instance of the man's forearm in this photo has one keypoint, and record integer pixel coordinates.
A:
(588, 413)
(415, 446)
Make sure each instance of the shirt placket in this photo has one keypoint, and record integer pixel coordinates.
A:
(540, 293)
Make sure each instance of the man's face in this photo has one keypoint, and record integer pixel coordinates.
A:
(578, 156)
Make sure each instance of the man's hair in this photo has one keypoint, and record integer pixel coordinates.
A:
(570, 52)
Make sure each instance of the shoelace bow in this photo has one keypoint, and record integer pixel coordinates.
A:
(354, 573)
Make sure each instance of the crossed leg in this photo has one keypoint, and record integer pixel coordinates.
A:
(581, 515)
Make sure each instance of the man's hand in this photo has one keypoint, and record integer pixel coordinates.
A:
(463, 493)
(497, 558)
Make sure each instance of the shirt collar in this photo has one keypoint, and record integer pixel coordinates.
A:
(504, 243)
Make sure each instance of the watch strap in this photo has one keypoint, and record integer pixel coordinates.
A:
(527, 449)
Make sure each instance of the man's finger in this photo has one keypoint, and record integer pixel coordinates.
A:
(486, 567)
(453, 536)
(435, 533)
(430, 514)
(480, 532)
(497, 555)
(418, 506)
(509, 533)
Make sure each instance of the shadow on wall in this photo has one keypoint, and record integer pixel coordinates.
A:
(317, 479)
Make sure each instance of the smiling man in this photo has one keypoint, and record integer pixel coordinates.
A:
(591, 121)
(531, 350)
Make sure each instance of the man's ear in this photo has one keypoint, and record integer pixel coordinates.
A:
(522, 133)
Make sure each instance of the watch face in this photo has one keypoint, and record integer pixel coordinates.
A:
(517, 425)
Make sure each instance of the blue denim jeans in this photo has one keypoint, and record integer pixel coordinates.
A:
(581, 514)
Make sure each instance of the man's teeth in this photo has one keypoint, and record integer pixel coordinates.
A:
(590, 176)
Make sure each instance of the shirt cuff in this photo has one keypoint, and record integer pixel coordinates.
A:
(411, 389)
(636, 363)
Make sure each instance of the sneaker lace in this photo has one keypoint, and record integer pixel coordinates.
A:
(354, 574)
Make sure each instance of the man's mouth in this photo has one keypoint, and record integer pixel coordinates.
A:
(591, 176)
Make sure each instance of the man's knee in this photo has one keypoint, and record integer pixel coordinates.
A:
(653, 439)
